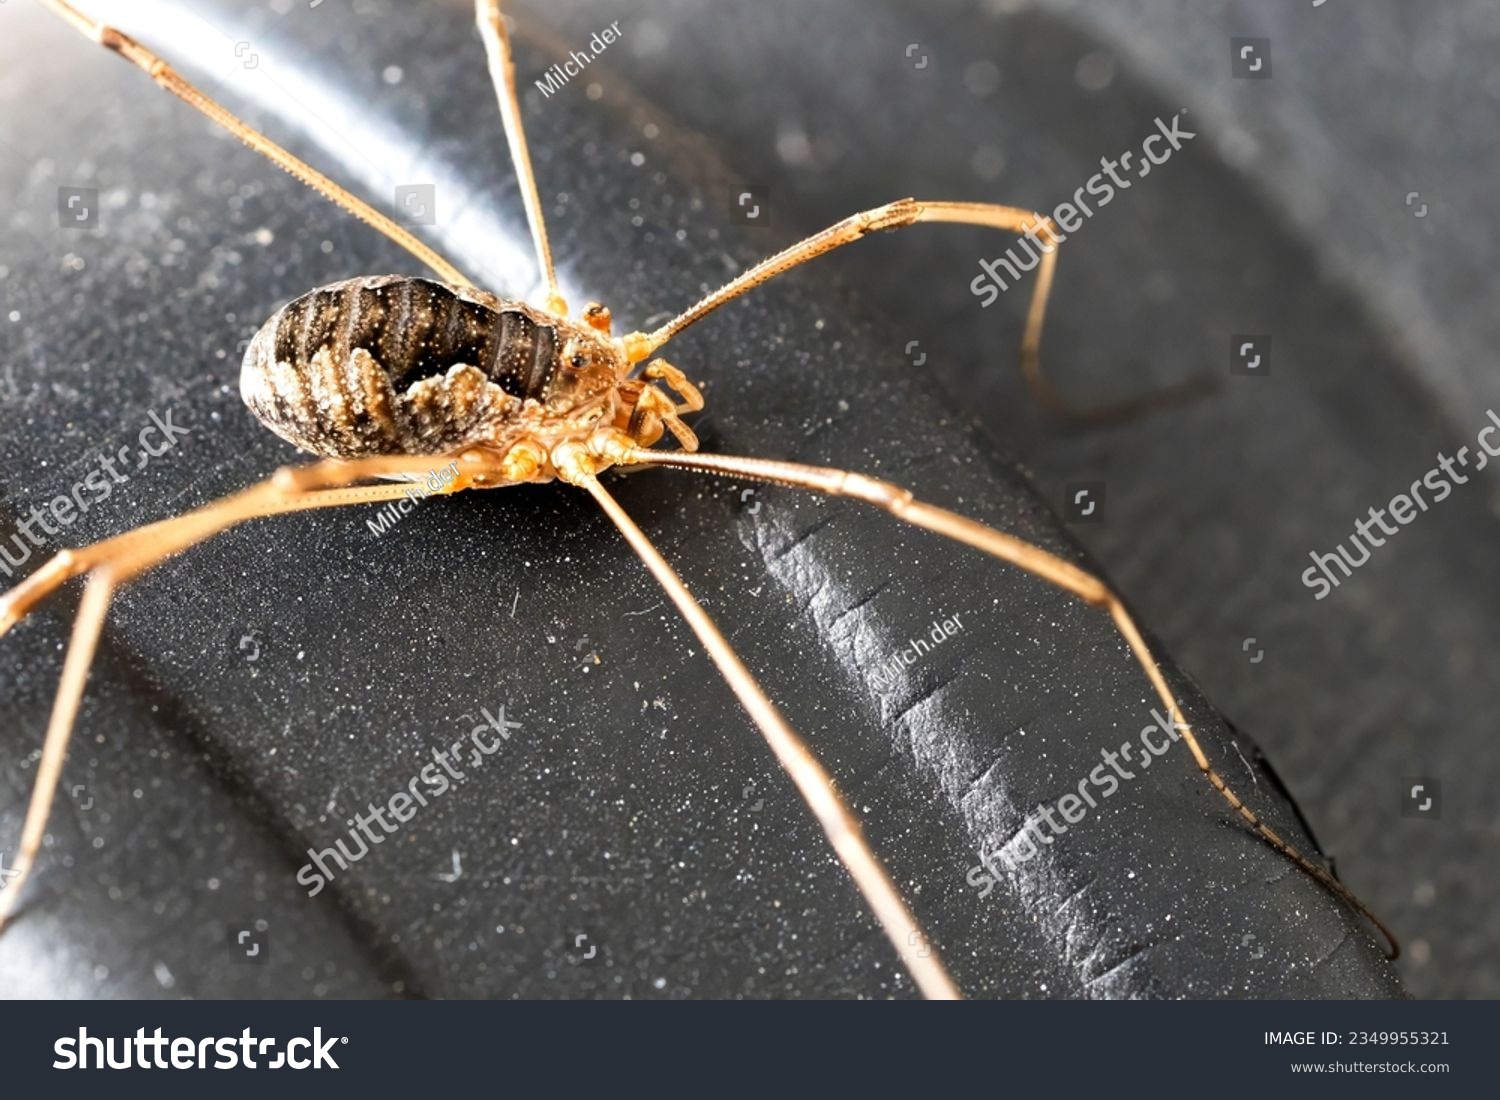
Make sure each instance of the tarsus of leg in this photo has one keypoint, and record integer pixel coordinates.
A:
(503, 75)
(112, 562)
(168, 78)
(839, 823)
(903, 505)
(899, 215)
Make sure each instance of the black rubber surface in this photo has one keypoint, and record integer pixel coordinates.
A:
(259, 692)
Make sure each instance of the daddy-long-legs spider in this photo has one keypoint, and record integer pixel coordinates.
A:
(559, 455)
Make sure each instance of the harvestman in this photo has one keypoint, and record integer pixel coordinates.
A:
(380, 374)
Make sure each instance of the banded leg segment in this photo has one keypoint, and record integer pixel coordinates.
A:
(903, 505)
(173, 81)
(899, 215)
(840, 824)
(113, 562)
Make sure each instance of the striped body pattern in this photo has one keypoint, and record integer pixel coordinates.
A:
(396, 365)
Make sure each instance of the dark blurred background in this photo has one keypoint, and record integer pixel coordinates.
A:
(1290, 216)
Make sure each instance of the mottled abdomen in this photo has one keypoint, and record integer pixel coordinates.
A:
(394, 365)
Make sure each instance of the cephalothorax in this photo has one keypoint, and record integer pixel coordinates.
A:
(380, 373)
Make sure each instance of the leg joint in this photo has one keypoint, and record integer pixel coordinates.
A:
(893, 215)
(882, 494)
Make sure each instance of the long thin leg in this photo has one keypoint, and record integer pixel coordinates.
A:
(81, 646)
(168, 78)
(840, 824)
(503, 74)
(899, 215)
(113, 562)
(901, 504)
(289, 490)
